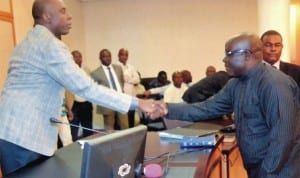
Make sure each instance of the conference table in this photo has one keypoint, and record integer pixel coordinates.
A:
(66, 162)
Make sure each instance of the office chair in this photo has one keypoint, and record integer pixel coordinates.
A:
(213, 168)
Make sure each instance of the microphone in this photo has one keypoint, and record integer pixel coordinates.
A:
(56, 121)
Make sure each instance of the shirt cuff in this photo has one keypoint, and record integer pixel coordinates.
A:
(134, 104)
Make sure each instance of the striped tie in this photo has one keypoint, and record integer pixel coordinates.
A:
(111, 78)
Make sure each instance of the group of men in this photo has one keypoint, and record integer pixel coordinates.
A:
(121, 78)
(264, 100)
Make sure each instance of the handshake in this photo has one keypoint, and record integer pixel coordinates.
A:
(153, 109)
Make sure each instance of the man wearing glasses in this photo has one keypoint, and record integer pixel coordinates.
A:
(272, 48)
(265, 103)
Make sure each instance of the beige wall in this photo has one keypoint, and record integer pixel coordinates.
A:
(22, 18)
(75, 39)
(169, 35)
(166, 34)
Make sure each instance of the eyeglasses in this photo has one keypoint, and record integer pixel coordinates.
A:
(240, 51)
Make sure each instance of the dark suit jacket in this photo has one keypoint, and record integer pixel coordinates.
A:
(206, 87)
(99, 76)
(291, 70)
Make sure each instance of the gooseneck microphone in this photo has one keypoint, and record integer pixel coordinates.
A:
(56, 121)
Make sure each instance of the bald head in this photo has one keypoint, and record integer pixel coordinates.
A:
(210, 70)
(187, 76)
(248, 41)
(53, 15)
(123, 56)
(243, 51)
(38, 9)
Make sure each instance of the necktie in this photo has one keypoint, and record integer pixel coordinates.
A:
(111, 78)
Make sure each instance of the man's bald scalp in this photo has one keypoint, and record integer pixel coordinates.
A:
(38, 8)
(254, 41)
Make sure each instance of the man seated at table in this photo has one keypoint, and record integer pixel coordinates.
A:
(187, 81)
(206, 87)
(210, 70)
(174, 92)
(187, 78)
(161, 80)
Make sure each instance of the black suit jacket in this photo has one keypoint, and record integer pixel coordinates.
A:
(206, 87)
(292, 70)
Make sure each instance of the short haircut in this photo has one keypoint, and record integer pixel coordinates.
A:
(76, 51)
(161, 73)
(102, 51)
(270, 32)
(122, 49)
(38, 9)
(175, 73)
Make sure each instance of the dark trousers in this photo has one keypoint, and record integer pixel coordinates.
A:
(14, 157)
(82, 112)
(131, 118)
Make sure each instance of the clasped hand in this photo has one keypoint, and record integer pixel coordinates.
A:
(153, 109)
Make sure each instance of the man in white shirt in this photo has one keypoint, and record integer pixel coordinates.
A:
(186, 78)
(175, 91)
(131, 80)
(111, 76)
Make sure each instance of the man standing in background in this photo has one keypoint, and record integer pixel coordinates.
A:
(272, 48)
(111, 76)
(131, 79)
(82, 110)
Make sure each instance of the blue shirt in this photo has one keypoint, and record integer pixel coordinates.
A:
(265, 103)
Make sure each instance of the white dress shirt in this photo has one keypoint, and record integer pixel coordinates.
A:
(276, 64)
(174, 94)
(131, 79)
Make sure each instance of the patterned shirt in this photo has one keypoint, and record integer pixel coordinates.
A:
(40, 67)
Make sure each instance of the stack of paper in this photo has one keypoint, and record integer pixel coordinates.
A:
(187, 137)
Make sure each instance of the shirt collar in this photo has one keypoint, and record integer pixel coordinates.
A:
(276, 64)
(106, 67)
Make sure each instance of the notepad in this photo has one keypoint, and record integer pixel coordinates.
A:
(179, 132)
